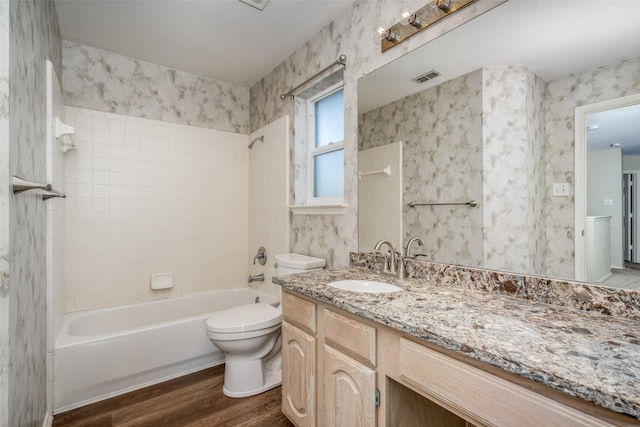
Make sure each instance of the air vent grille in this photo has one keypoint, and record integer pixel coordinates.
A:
(258, 4)
(426, 76)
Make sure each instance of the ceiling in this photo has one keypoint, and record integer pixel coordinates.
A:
(617, 126)
(552, 38)
(226, 40)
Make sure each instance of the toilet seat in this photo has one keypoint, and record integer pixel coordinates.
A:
(244, 318)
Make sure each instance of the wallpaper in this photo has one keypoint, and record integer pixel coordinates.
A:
(4, 212)
(512, 130)
(105, 81)
(441, 129)
(562, 96)
(34, 38)
(333, 236)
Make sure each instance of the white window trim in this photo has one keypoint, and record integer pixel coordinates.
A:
(330, 202)
(319, 209)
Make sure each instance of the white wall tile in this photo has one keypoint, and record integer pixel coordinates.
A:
(153, 197)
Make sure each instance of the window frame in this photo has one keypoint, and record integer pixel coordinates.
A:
(312, 151)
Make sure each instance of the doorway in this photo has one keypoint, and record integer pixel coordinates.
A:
(602, 127)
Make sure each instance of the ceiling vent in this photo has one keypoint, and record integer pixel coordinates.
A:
(427, 76)
(258, 4)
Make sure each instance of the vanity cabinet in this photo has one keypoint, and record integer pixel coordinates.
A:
(349, 376)
(349, 391)
(342, 351)
(419, 383)
(298, 379)
(299, 351)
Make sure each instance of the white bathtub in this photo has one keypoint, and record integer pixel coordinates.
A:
(106, 352)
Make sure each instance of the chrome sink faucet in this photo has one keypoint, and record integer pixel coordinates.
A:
(392, 265)
(401, 269)
(410, 243)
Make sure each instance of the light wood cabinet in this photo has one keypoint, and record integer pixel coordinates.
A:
(349, 391)
(419, 382)
(298, 376)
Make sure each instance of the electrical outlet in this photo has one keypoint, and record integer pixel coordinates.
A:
(561, 189)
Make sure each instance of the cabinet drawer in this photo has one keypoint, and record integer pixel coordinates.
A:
(351, 337)
(483, 397)
(300, 312)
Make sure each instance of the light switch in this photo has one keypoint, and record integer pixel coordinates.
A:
(608, 202)
(561, 189)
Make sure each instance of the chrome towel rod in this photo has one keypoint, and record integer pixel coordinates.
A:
(21, 185)
(50, 194)
(386, 171)
(342, 60)
(471, 203)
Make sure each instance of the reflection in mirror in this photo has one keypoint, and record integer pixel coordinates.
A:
(497, 127)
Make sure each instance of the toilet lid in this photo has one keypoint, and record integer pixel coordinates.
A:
(250, 317)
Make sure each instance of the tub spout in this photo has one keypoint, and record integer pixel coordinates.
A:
(256, 278)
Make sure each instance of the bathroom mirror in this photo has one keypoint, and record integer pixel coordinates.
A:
(492, 122)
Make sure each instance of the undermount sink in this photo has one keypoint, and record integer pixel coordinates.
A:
(365, 286)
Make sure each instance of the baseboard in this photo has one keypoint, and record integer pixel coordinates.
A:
(48, 420)
(181, 373)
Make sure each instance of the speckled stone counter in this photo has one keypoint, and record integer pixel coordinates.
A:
(587, 354)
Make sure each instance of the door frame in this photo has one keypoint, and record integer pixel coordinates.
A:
(634, 208)
(580, 173)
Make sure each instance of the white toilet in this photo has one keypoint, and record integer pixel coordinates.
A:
(250, 337)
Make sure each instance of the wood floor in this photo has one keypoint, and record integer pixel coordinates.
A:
(192, 400)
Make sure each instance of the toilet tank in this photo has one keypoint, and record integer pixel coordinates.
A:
(296, 263)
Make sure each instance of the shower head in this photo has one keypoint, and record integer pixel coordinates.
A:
(260, 138)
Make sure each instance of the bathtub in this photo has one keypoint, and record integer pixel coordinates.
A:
(103, 353)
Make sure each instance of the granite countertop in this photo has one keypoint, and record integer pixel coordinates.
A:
(593, 356)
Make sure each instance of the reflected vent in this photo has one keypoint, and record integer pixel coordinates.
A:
(426, 76)
(258, 4)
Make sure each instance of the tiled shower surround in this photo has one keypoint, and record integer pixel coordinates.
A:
(146, 197)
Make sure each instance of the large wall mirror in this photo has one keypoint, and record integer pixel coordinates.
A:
(491, 121)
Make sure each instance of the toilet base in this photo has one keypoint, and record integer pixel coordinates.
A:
(244, 378)
(271, 380)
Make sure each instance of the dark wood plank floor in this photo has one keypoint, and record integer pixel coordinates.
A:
(192, 400)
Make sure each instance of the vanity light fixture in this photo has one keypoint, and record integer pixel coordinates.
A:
(615, 144)
(413, 22)
(592, 127)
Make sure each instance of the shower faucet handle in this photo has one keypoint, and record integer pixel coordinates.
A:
(261, 256)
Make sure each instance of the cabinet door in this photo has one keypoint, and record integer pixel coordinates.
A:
(349, 391)
(298, 376)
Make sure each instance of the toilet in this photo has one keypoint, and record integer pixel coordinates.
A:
(250, 336)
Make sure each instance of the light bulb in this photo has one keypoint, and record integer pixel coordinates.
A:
(383, 31)
(405, 14)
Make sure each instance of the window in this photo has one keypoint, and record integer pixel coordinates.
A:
(325, 147)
